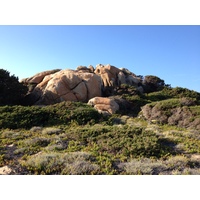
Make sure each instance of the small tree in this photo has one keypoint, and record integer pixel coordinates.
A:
(11, 91)
(153, 83)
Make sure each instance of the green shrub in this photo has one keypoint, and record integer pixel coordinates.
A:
(127, 141)
(11, 91)
(14, 117)
(177, 92)
(153, 83)
(179, 112)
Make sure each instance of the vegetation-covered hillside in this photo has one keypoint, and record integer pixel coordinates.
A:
(155, 132)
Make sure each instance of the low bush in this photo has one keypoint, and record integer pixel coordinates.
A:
(175, 165)
(59, 163)
(36, 129)
(180, 112)
(143, 167)
(127, 141)
(38, 141)
(14, 117)
(177, 92)
(51, 130)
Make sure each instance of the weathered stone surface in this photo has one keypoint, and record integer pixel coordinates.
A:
(127, 72)
(80, 67)
(83, 69)
(108, 74)
(112, 77)
(5, 170)
(104, 105)
(82, 84)
(121, 78)
(37, 78)
(91, 68)
(67, 85)
(131, 80)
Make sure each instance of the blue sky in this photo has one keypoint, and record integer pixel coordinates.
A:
(169, 52)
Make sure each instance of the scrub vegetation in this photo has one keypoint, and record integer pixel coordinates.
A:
(153, 133)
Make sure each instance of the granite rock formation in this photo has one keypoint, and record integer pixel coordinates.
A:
(104, 105)
(65, 85)
(82, 84)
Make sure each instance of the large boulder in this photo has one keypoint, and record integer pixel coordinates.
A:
(109, 77)
(37, 78)
(66, 85)
(89, 69)
(104, 105)
(113, 77)
(108, 74)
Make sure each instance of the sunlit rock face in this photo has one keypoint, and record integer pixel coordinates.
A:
(66, 85)
(37, 78)
(82, 84)
(112, 77)
(104, 105)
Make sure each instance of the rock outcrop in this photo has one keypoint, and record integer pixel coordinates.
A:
(112, 77)
(82, 84)
(104, 105)
(37, 78)
(66, 85)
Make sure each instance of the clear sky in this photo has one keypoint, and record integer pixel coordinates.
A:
(169, 52)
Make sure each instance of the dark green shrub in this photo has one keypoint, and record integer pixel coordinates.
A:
(127, 141)
(11, 91)
(153, 83)
(177, 92)
(22, 117)
(59, 114)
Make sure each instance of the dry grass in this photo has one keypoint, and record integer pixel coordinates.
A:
(8, 134)
(51, 131)
(61, 163)
(36, 129)
(176, 165)
(38, 141)
(143, 167)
